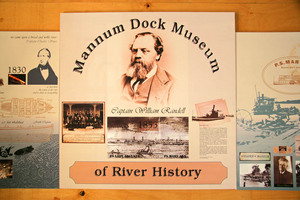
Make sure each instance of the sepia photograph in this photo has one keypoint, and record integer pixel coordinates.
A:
(283, 172)
(148, 137)
(83, 122)
(145, 82)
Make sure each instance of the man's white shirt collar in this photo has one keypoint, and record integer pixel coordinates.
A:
(45, 73)
(152, 72)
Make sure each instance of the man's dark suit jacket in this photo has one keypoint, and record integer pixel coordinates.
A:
(285, 179)
(35, 76)
(153, 92)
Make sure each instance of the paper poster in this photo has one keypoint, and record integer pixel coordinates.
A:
(148, 100)
(268, 103)
(29, 105)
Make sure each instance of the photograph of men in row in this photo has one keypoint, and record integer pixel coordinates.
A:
(43, 74)
(145, 82)
(283, 176)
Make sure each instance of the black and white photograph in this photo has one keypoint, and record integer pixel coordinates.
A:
(83, 122)
(298, 173)
(255, 175)
(148, 137)
(283, 172)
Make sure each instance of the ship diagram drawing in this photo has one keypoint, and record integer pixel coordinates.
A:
(24, 107)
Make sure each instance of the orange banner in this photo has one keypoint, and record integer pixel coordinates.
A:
(148, 172)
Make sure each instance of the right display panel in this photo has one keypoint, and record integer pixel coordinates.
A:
(268, 111)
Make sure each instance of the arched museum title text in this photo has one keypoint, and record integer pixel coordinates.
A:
(177, 28)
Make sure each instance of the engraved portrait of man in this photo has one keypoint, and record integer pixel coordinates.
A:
(43, 74)
(145, 82)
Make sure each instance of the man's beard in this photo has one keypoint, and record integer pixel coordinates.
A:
(141, 69)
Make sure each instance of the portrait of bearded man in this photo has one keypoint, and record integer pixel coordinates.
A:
(146, 83)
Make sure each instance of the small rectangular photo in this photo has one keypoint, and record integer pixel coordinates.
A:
(16, 79)
(148, 137)
(283, 171)
(212, 113)
(298, 173)
(6, 169)
(255, 175)
(297, 145)
(83, 122)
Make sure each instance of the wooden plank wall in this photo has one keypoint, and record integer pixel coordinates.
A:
(251, 16)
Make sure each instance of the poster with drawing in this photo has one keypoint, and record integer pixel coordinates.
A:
(29, 110)
(147, 100)
(268, 104)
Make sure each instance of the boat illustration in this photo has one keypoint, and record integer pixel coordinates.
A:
(288, 79)
(117, 151)
(25, 150)
(145, 151)
(214, 115)
(24, 107)
(270, 118)
(268, 106)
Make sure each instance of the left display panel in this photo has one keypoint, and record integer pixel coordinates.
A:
(29, 110)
